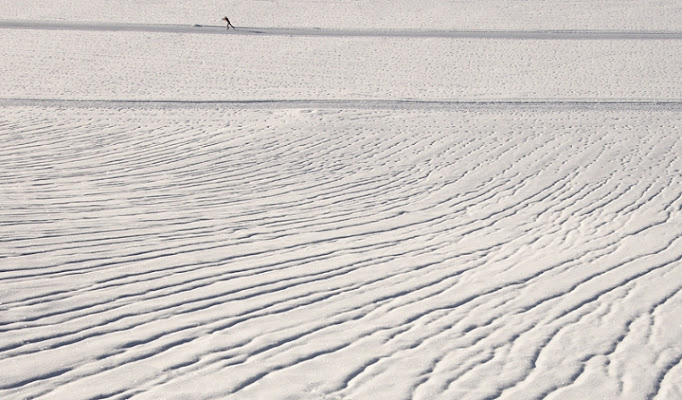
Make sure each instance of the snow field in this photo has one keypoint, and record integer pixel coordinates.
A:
(641, 15)
(340, 200)
(227, 253)
(81, 65)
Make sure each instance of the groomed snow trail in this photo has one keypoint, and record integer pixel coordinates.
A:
(467, 252)
(537, 34)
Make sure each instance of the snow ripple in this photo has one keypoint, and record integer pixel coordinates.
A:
(225, 252)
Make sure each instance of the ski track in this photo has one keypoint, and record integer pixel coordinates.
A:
(544, 34)
(470, 252)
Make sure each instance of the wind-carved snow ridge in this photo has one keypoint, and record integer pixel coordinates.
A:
(366, 253)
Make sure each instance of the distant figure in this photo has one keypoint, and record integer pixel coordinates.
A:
(228, 23)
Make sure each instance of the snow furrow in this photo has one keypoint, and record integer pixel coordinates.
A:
(244, 251)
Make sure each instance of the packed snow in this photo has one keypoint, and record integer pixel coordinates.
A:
(341, 199)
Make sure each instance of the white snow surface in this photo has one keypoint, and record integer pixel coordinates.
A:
(341, 199)
(641, 15)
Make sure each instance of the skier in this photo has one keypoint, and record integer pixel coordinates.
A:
(228, 23)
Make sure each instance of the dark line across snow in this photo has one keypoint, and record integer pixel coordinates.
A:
(657, 104)
(455, 34)
(646, 104)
